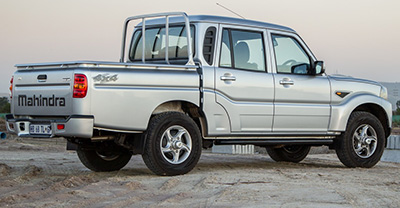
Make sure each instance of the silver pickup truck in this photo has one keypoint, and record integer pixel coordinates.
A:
(184, 83)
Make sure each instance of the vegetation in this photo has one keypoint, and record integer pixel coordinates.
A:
(396, 115)
(4, 105)
(397, 111)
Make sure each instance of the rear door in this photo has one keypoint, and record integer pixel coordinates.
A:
(302, 100)
(243, 85)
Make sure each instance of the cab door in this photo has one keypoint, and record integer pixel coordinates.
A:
(243, 86)
(302, 98)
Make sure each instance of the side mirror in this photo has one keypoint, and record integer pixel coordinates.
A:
(300, 69)
(319, 67)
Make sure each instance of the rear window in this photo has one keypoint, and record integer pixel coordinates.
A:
(155, 44)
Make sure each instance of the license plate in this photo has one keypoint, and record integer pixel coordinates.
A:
(40, 129)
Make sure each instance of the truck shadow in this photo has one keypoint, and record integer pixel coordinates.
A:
(217, 163)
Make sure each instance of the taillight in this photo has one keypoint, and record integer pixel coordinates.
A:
(80, 86)
(11, 86)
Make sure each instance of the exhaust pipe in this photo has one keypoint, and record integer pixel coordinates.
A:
(3, 135)
(102, 138)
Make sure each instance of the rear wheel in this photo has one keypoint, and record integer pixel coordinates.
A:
(103, 160)
(291, 153)
(173, 144)
(363, 142)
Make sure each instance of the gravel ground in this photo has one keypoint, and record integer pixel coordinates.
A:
(41, 173)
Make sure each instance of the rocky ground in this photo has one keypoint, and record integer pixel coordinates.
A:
(41, 173)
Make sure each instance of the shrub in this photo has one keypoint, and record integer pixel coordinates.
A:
(4, 105)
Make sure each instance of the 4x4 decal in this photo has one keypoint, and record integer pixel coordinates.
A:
(105, 78)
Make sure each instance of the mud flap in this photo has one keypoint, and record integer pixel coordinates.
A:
(71, 146)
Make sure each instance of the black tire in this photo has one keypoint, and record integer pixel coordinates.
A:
(363, 142)
(291, 153)
(176, 155)
(103, 161)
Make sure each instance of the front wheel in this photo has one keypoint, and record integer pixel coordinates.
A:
(103, 160)
(173, 144)
(291, 153)
(363, 142)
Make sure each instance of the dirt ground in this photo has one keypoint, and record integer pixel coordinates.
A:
(41, 173)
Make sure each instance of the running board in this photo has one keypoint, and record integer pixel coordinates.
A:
(271, 142)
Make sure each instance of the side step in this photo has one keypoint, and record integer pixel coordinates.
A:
(275, 142)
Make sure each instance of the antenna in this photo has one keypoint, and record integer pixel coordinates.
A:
(230, 10)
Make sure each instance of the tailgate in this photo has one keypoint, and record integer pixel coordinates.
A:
(42, 92)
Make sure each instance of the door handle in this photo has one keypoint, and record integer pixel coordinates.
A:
(286, 81)
(42, 78)
(224, 78)
(228, 77)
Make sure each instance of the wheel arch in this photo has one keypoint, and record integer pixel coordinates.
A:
(382, 109)
(378, 112)
(186, 107)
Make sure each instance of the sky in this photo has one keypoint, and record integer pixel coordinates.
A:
(359, 38)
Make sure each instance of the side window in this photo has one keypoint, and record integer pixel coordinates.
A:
(225, 59)
(155, 44)
(290, 56)
(245, 48)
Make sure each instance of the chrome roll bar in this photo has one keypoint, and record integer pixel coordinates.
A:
(166, 15)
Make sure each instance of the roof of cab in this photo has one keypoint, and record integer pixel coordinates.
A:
(219, 19)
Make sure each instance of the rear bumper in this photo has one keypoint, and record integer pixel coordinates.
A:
(74, 126)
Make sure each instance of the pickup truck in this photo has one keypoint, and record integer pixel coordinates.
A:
(184, 83)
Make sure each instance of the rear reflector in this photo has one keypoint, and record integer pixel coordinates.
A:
(60, 126)
(80, 86)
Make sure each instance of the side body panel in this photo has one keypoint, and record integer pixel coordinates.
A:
(303, 106)
(128, 102)
(248, 100)
(359, 92)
